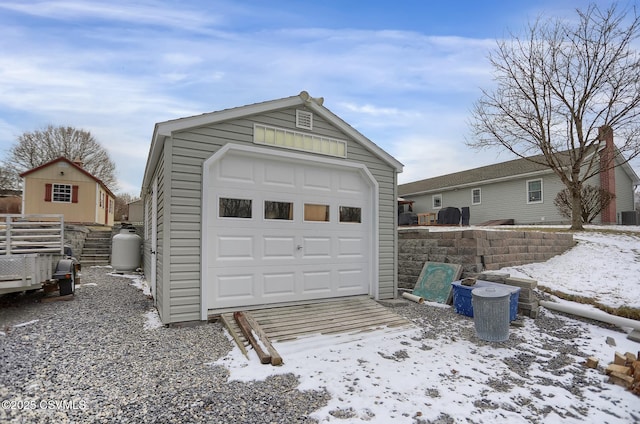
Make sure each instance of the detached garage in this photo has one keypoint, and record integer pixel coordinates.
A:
(270, 204)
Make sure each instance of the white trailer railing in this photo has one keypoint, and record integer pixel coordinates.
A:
(31, 234)
(30, 246)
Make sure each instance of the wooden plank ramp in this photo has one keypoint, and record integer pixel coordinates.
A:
(346, 315)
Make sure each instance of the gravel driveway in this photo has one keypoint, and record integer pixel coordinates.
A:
(91, 359)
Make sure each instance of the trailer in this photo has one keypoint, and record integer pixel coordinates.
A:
(33, 255)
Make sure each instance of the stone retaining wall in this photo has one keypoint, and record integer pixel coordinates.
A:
(74, 236)
(475, 250)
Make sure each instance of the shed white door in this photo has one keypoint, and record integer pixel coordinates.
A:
(281, 230)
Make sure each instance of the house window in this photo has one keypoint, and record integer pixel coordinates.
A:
(534, 191)
(235, 208)
(318, 213)
(350, 214)
(437, 201)
(476, 197)
(62, 193)
(278, 210)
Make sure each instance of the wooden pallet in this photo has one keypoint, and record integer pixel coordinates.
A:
(346, 315)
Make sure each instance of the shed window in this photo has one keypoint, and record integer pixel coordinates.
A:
(534, 191)
(235, 208)
(296, 140)
(318, 213)
(437, 201)
(62, 193)
(350, 214)
(278, 210)
(476, 197)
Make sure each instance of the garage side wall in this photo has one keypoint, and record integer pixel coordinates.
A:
(190, 148)
(160, 297)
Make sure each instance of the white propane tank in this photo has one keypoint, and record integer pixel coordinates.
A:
(125, 250)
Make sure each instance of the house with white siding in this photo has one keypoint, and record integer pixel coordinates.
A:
(519, 190)
(273, 203)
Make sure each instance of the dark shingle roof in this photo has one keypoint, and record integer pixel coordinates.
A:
(507, 169)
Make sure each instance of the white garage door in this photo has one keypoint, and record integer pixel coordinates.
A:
(281, 230)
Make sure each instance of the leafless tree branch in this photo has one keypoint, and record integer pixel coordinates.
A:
(41, 146)
(556, 86)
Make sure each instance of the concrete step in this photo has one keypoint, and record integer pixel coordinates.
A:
(99, 253)
(95, 260)
(97, 242)
(96, 249)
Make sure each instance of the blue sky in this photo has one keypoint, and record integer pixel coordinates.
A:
(405, 73)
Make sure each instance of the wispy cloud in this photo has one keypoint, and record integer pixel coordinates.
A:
(139, 12)
(119, 84)
(115, 68)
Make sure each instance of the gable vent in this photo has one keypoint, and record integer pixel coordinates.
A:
(304, 120)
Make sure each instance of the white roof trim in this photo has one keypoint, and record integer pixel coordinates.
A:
(165, 129)
(168, 127)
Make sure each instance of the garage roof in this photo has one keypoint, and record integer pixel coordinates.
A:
(165, 129)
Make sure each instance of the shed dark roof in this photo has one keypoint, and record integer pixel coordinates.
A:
(507, 169)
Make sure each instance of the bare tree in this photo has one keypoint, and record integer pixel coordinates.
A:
(8, 179)
(41, 146)
(593, 201)
(557, 88)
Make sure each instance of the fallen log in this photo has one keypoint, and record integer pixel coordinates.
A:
(246, 330)
(276, 359)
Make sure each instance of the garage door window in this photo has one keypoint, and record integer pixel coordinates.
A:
(235, 208)
(278, 210)
(318, 213)
(350, 214)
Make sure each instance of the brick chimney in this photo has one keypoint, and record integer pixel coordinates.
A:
(608, 173)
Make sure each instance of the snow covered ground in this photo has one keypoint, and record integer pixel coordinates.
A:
(440, 372)
(602, 266)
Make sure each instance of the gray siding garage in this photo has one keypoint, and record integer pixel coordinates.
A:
(273, 203)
